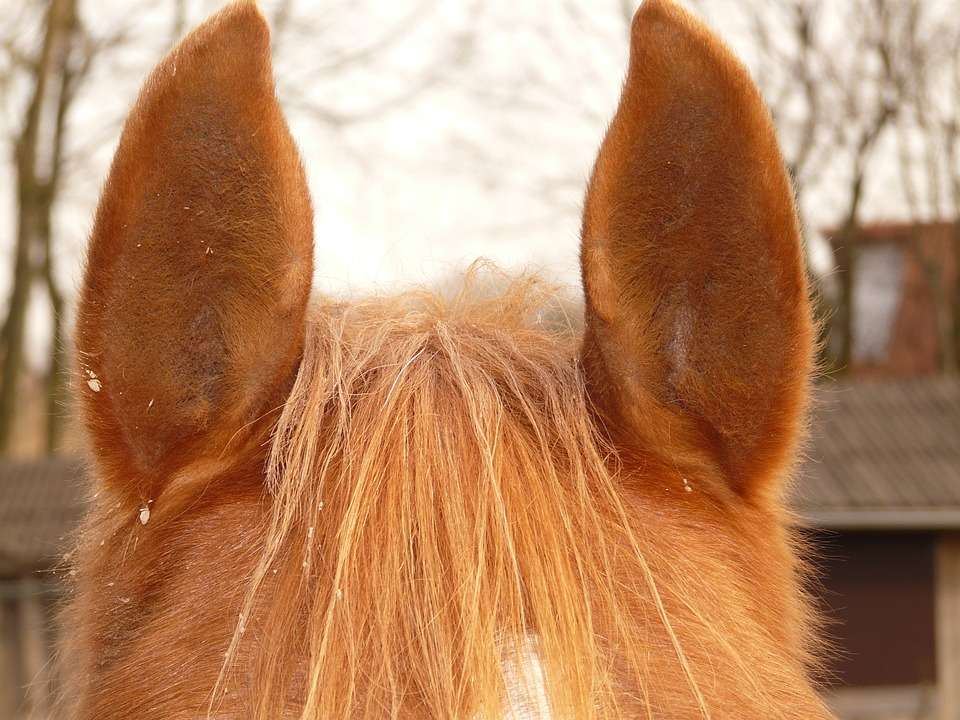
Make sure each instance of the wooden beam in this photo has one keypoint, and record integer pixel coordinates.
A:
(36, 650)
(948, 626)
(10, 672)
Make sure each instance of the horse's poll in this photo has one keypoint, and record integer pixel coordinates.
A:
(445, 507)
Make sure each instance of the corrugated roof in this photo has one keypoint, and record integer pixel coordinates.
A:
(884, 454)
(41, 503)
(892, 231)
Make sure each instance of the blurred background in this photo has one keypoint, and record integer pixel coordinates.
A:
(437, 131)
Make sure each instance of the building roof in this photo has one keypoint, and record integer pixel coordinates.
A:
(41, 502)
(892, 231)
(883, 455)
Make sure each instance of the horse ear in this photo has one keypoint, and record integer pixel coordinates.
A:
(191, 317)
(699, 336)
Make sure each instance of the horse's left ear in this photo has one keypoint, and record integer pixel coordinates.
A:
(191, 317)
(699, 336)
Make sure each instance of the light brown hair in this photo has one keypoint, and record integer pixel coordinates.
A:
(427, 507)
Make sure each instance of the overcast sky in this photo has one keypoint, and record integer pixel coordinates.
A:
(488, 160)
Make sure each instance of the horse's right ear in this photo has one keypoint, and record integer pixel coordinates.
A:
(699, 333)
(191, 317)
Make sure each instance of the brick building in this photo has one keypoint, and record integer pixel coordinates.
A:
(904, 274)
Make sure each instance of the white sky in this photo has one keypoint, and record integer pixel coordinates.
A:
(490, 161)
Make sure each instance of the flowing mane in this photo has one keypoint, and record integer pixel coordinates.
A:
(450, 526)
(450, 508)
(424, 507)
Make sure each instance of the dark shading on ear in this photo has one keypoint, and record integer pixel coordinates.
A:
(699, 335)
(191, 317)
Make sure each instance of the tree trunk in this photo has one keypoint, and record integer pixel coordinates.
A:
(35, 202)
(56, 400)
(842, 323)
(955, 300)
(25, 157)
(13, 326)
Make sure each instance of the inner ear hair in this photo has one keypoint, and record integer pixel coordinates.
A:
(699, 333)
(191, 316)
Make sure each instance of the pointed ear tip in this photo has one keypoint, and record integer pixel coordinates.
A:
(682, 46)
(242, 22)
(239, 27)
(655, 16)
(662, 10)
(246, 15)
(230, 45)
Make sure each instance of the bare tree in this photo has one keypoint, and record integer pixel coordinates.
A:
(924, 139)
(865, 84)
(836, 97)
(927, 88)
(946, 120)
(792, 69)
(52, 66)
(54, 70)
(337, 62)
